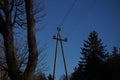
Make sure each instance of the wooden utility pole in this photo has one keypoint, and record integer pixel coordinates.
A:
(59, 38)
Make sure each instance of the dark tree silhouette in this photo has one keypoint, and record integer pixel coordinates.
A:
(21, 53)
(113, 65)
(50, 77)
(40, 76)
(12, 13)
(92, 60)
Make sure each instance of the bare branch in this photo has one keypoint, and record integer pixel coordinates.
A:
(3, 68)
(12, 5)
(15, 16)
(2, 6)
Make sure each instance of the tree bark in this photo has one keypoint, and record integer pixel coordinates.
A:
(33, 53)
(7, 33)
(10, 56)
(6, 29)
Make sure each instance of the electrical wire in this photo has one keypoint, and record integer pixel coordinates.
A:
(66, 15)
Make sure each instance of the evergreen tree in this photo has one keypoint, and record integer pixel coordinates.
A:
(93, 55)
(113, 64)
(92, 60)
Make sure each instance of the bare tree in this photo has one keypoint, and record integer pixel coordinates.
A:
(21, 53)
(18, 13)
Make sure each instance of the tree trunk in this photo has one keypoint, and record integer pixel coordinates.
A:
(6, 29)
(33, 53)
(7, 33)
(10, 56)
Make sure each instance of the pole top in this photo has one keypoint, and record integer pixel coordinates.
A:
(58, 28)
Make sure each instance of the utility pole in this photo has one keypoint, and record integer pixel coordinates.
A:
(59, 38)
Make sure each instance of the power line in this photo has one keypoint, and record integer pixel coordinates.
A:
(68, 12)
(73, 28)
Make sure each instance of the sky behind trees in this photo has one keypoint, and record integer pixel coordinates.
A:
(77, 18)
(85, 16)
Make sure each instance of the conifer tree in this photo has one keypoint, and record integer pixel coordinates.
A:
(93, 55)
(92, 60)
(113, 64)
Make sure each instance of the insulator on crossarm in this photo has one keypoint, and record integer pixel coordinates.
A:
(65, 39)
(54, 37)
(58, 28)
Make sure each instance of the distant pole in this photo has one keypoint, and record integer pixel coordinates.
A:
(59, 38)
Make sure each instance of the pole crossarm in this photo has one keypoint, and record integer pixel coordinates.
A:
(59, 38)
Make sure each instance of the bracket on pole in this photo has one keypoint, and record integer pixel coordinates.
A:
(58, 37)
